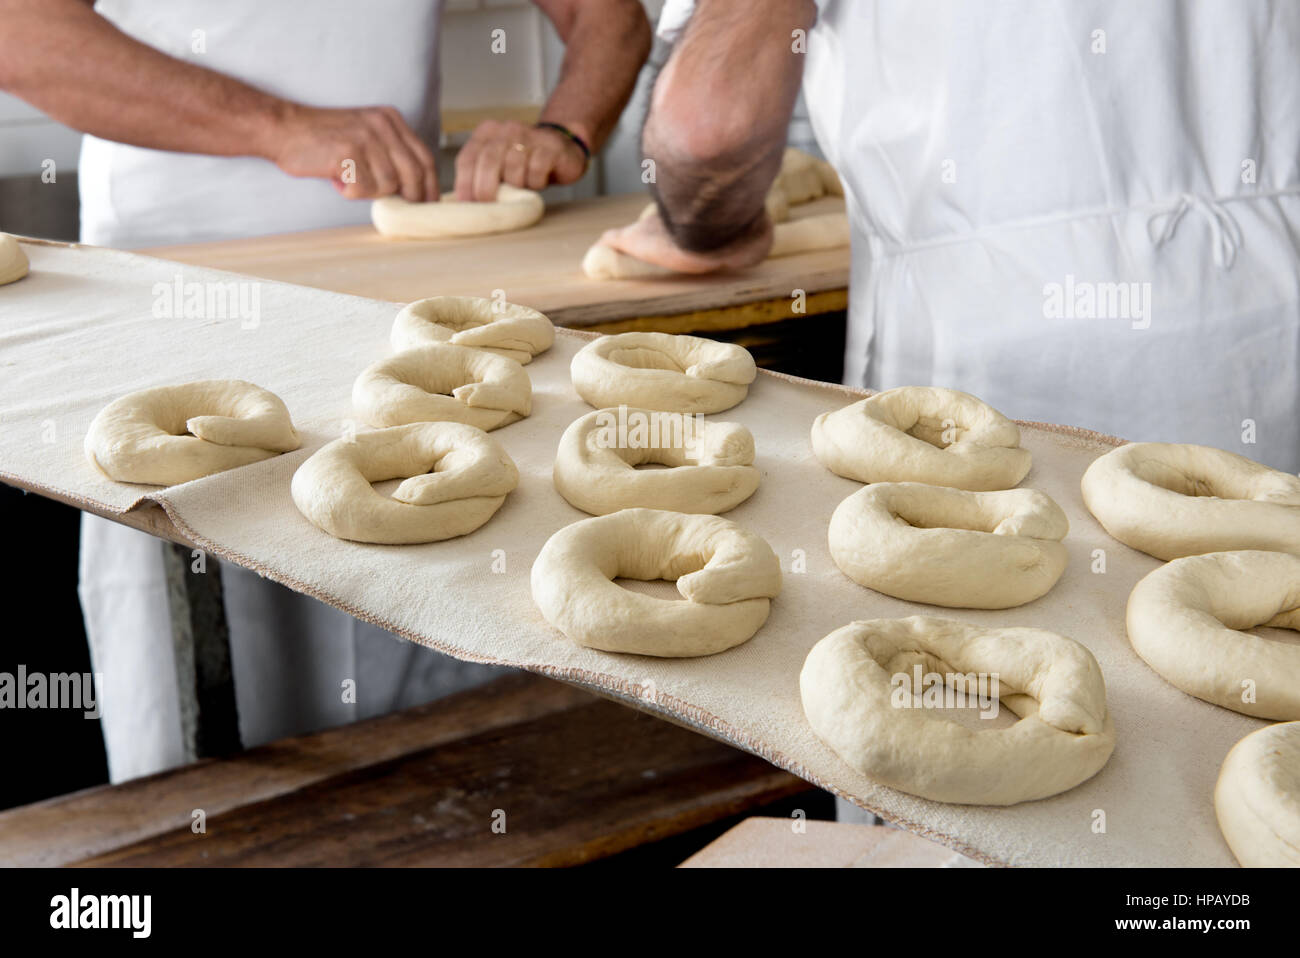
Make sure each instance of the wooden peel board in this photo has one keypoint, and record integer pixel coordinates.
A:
(538, 267)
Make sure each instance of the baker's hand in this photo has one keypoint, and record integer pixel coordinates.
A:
(508, 152)
(649, 240)
(366, 152)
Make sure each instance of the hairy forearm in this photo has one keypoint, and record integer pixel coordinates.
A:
(66, 60)
(717, 124)
(606, 43)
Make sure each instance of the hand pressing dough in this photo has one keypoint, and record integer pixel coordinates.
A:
(513, 209)
(1257, 798)
(726, 574)
(171, 434)
(515, 332)
(922, 434)
(456, 476)
(710, 463)
(13, 261)
(1171, 500)
(944, 546)
(1188, 619)
(1063, 738)
(443, 383)
(662, 371)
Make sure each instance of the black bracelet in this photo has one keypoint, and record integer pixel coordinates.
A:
(573, 137)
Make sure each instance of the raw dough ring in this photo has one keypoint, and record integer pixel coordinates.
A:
(443, 383)
(513, 209)
(945, 546)
(1257, 798)
(515, 332)
(899, 436)
(662, 371)
(727, 575)
(1186, 619)
(1063, 738)
(710, 463)
(1171, 500)
(13, 261)
(171, 434)
(456, 476)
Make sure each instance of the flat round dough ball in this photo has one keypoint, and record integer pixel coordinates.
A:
(726, 574)
(1171, 500)
(1257, 798)
(515, 332)
(950, 547)
(443, 383)
(922, 434)
(662, 371)
(172, 434)
(513, 209)
(13, 261)
(456, 476)
(1188, 621)
(852, 685)
(710, 464)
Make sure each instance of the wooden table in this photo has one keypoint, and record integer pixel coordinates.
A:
(539, 267)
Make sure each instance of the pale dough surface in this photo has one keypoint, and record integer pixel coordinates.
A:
(922, 434)
(515, 332)
(456, 476)
(1171, 500)
(727, 575)
(1053, 684)
(13, 261)
(662, 371)
(1257, 798)
(513, 209)
(171, 434)
(1188, 618)
(710, 464)
(443, 383)
(950, 547)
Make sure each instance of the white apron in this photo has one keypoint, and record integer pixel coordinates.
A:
(1081, 212)
(290, 654)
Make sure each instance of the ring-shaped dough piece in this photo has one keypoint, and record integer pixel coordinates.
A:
(1064, 736)
(13, 261)
(1188, 618)
(710, 464)
(456, 476)
(727, 575)
(950, 547)
(1257, 798)
(922, 434)
(1172, 500)
(515, 332)
(662, 371)
(443, 383)
(513, 209)
(171, 434)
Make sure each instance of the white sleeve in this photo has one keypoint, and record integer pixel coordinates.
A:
(673, 18)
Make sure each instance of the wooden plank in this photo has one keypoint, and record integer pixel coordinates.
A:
(100, 819)
(784, 843)
(561, 788)
(538, 267)
(148, 518)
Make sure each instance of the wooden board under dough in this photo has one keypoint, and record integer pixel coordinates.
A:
(539, 267)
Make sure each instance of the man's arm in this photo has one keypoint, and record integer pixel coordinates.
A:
(606, 42)
(71, 63)
(716, 131)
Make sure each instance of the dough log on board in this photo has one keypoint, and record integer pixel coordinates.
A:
(456, 476)
(661, 371)
(727, 575)
(13, 261)
(171, 434)
(513, 209)
(950, 547)
(1257, 798)
(515, 332)
(858, 686)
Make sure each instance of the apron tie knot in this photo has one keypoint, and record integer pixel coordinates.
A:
(1224, 232)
